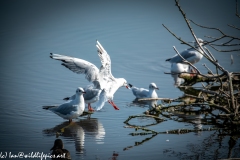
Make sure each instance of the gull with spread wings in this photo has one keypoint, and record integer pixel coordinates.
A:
(104, 84)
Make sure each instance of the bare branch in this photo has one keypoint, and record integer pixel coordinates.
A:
(152, 99)
(232, 50)
(209, 53)
(208, 69)
(226, 45)
(217, 29)
(233, 26)
(200, 46)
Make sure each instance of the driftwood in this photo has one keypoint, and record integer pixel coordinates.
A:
(192, 78)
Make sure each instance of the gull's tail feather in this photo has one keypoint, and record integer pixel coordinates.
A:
(47, 107)
(66, 98)
(168, 59)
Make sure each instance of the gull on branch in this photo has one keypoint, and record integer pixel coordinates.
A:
(191, 55)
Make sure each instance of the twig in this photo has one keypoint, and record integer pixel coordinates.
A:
(220, 107)
(233, 26)
(231, 92)
(232, 50)
(157, 119)
(151, 99)
(208, 69)
(217, 29)
(209, 53)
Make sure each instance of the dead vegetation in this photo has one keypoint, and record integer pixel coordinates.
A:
(216, 99)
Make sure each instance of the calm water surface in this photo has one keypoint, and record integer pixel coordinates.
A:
(132, 33)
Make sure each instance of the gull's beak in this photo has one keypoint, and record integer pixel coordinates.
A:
(127, 87)
(83, 92)
(157, 88)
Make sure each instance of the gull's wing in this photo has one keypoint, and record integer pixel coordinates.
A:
(65, 108)
(91, 93)
(105, 69)
(186, 54)
(140, 92)
(79, 66)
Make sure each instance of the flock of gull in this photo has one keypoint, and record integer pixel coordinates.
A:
(104, 84)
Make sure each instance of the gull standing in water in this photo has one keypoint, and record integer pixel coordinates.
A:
(144, 93)
(71, 109)
(102, 79)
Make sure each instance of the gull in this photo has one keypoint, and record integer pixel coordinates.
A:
(145, 93)
(91, 96)
(72, 108)
(102, 79)
(191, 55)
(177, 68)
(180, 67)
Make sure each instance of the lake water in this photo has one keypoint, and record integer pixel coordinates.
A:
(133, 35)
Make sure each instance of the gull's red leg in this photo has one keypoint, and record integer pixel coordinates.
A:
(90, 108)
(114, 105)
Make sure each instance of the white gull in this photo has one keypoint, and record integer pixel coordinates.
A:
(102, 78)
(145, 93)
(71, 109)
(179, 68)
(191, 55)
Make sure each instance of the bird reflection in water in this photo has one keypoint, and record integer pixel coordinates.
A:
(194, 119)
(144, 103)
(76, 131)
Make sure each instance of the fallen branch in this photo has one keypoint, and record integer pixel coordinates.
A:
(151, 99)
(157, 119)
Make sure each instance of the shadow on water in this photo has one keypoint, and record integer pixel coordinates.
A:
(76, 131)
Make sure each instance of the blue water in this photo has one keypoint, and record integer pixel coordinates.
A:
(133, 35)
